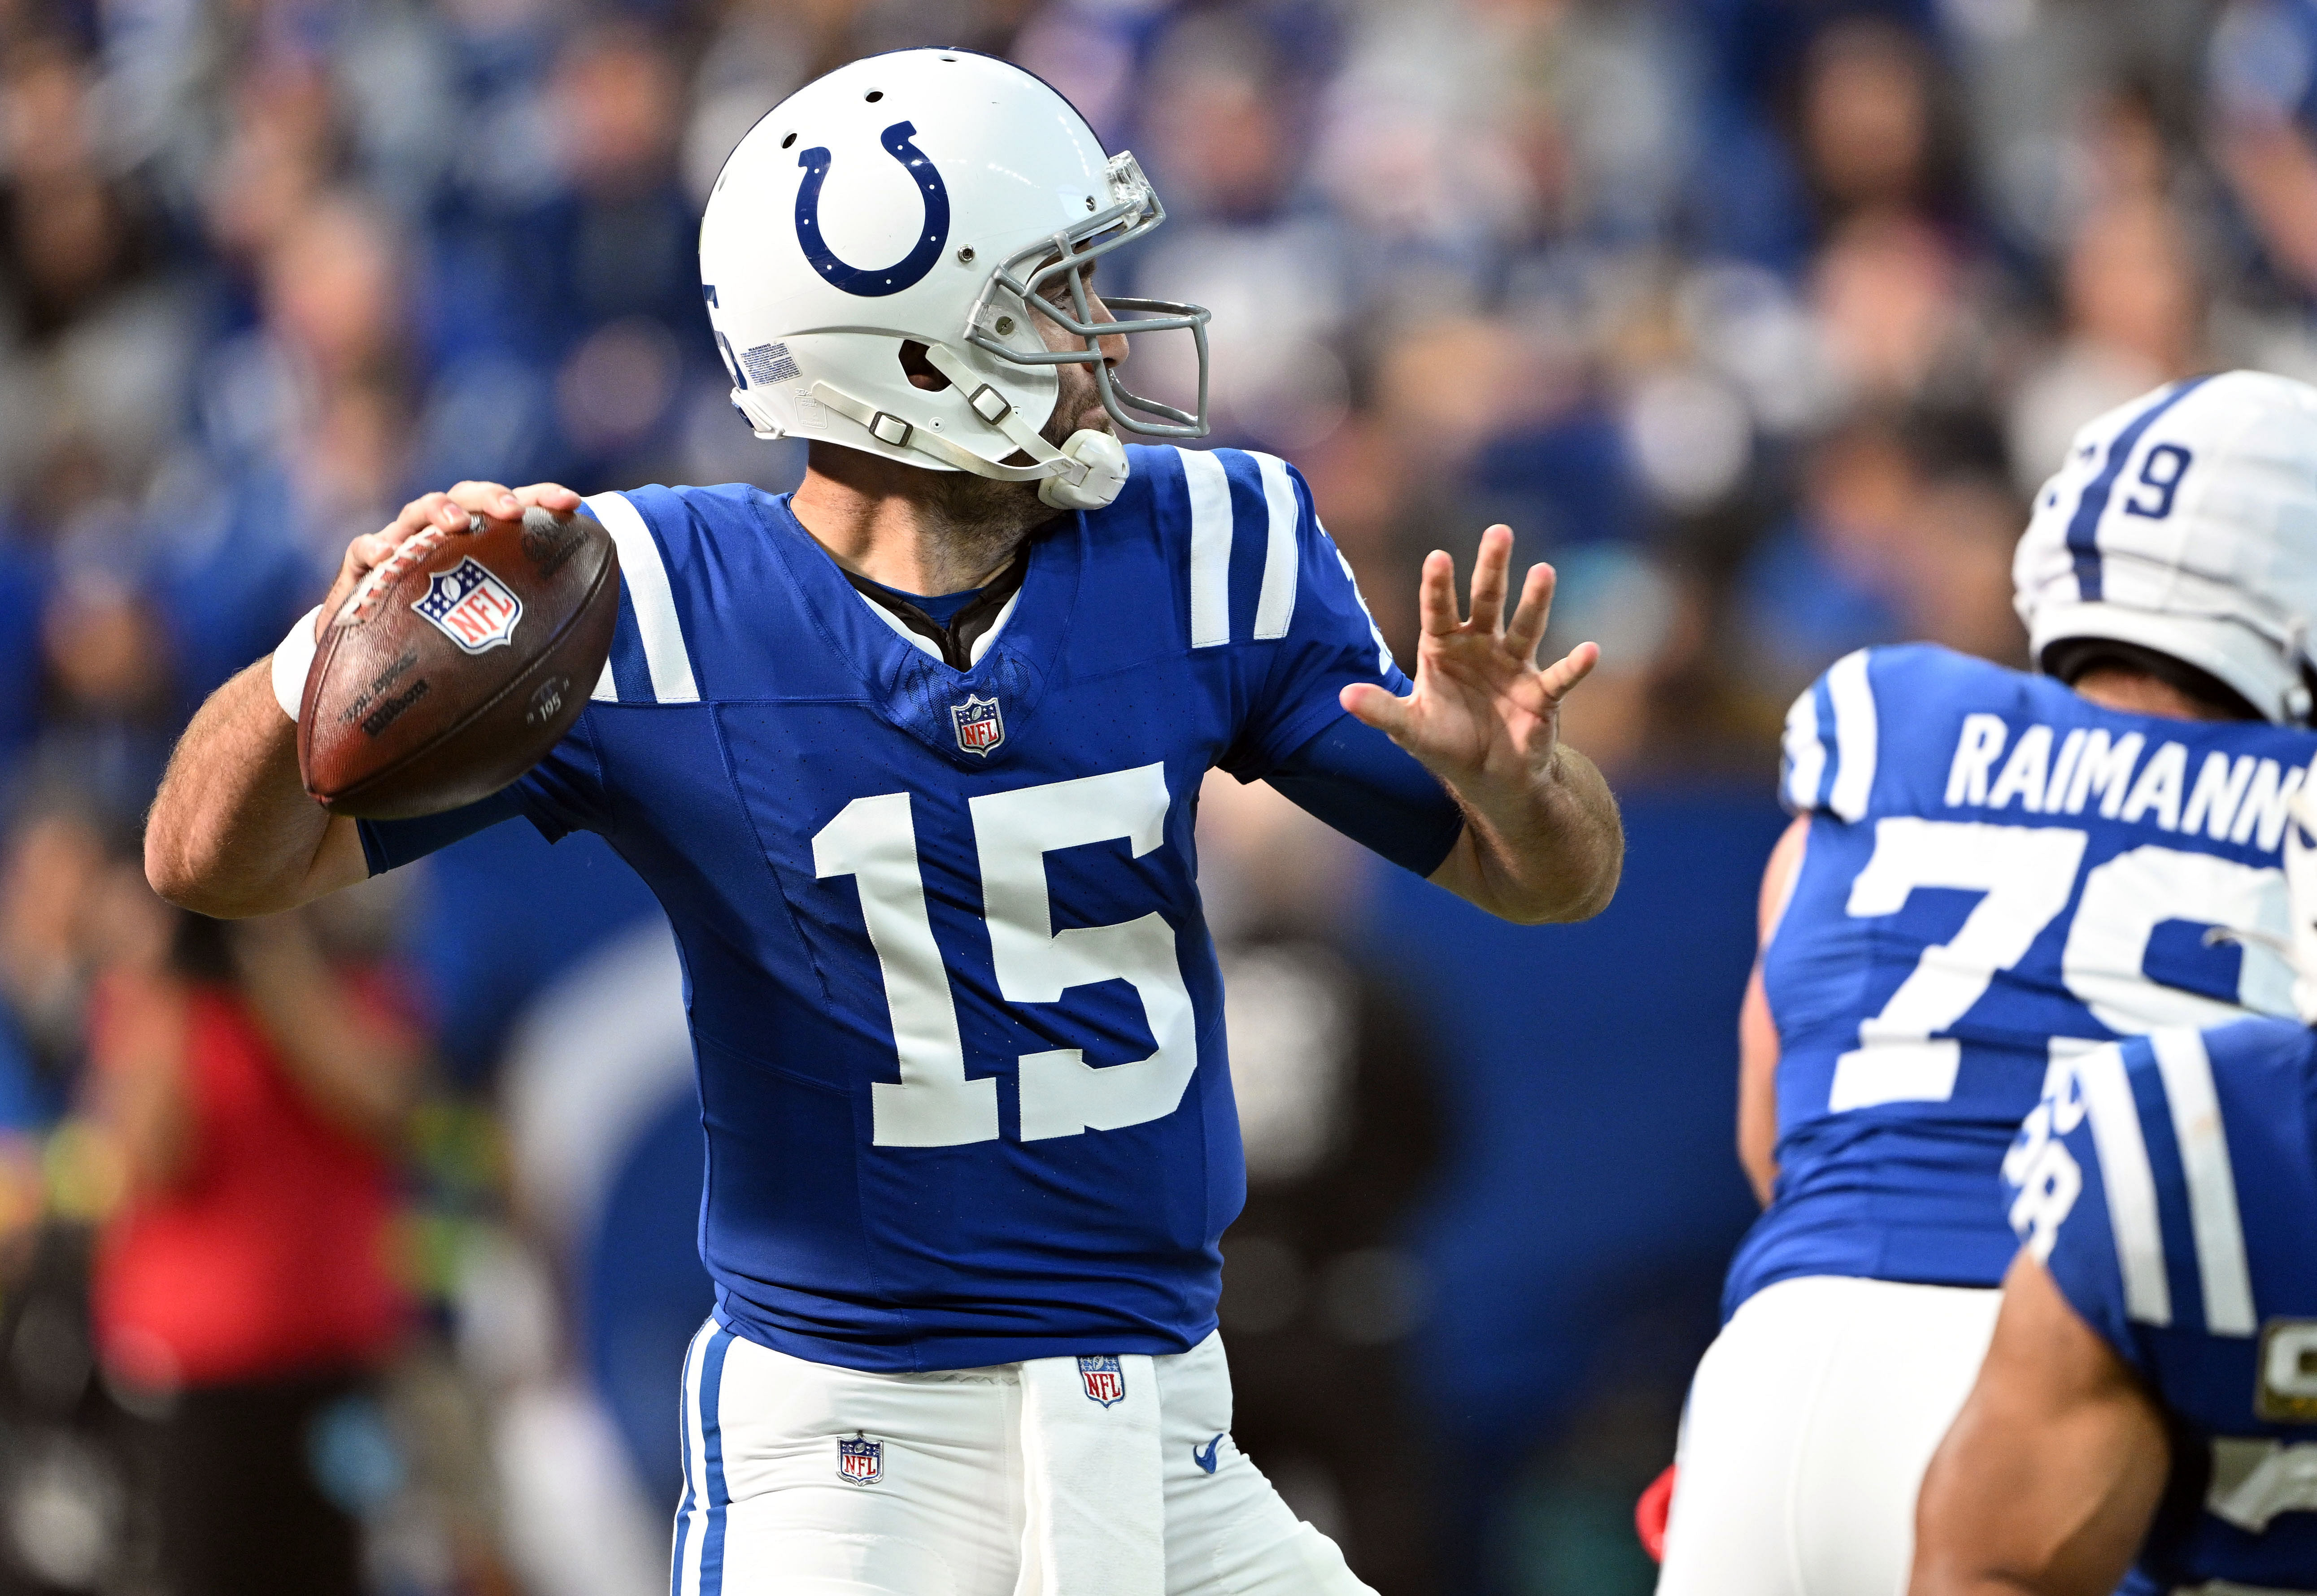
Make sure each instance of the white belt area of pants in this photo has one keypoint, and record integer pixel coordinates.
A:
(1092, 1482)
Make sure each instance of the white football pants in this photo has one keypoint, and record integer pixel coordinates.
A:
(1811, 1421)
(770, 1509)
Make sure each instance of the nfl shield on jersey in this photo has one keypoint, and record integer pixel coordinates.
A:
(2000, 875)
(958, 1021)
(980, 724)
(2170, 1186)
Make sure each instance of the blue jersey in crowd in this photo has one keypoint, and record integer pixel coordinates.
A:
(2170, 1186)
(957, 1018)
(2000, 874)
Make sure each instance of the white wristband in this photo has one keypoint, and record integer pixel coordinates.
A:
(292, 661)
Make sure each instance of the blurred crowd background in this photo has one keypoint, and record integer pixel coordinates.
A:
(366, 1233)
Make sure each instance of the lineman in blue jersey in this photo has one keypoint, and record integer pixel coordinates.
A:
(911, 758)
(1991, 874)
(2150, 1398)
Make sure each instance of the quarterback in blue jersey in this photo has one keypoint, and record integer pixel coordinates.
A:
(1991, 874)
(912, 757)
(2150, 1399)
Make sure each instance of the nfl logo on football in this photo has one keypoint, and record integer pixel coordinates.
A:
(1105, 1381)
(469, 606)
(860, 1461)
(981, 728)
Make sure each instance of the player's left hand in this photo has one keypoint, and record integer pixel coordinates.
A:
(1483, 718)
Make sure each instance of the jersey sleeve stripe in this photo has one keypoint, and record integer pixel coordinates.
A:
(2130, 1186)
(1805, 754)
(1855, 736)
(1829, 749)
(2212, 1218)
(1275, 606)
(607, 690)
(1208, 486)
(2083, 526)
(626, 665)
(644, 575)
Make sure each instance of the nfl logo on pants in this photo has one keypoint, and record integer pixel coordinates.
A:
(860, 1461)
(1105, 1381)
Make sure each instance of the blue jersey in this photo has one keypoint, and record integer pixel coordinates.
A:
(957, 1018)
(2000, 874)
(2171, 1187)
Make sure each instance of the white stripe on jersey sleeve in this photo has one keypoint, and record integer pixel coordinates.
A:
(665, 658)
(1274, 607)
(2131, 1188)
(1383, 649)
(607, 691)
(1211, 546)
(1805, 754)
(2212, 1218)
(1855, 736)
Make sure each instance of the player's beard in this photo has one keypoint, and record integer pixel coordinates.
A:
(982, 521)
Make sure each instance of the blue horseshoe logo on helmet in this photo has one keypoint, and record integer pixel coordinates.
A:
(873, 283)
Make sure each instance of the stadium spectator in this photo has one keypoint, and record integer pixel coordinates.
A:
(245, 1293)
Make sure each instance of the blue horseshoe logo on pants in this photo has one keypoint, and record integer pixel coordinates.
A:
(872, 283)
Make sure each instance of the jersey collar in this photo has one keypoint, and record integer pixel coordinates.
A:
(918, 692)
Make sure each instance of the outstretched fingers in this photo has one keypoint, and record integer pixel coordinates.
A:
(1436, 595)
(1491, 573)
(1530, 616)
(1569, 669)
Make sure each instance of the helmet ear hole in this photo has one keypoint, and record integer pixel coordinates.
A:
(919, 369)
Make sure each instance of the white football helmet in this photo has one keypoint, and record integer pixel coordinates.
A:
(2185, 522)
(921, 196)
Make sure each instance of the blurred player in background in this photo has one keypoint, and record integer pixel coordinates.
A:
(1993, 873)
(2150, 1399)
(911, 759)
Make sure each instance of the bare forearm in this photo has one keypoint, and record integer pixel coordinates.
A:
(232, 832)
(1757, 1091)
(1551, 852)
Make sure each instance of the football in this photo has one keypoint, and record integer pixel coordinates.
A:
(456, 666)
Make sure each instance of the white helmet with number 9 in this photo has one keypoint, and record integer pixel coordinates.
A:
(2186, 523)
(921, 198)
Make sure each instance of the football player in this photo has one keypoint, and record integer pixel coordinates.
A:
(2150, 1399)
(1993, 873)
(911, 758)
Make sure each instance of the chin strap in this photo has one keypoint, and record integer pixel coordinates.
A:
(1087, 473)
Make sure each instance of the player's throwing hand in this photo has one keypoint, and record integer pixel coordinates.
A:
(448, 510)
